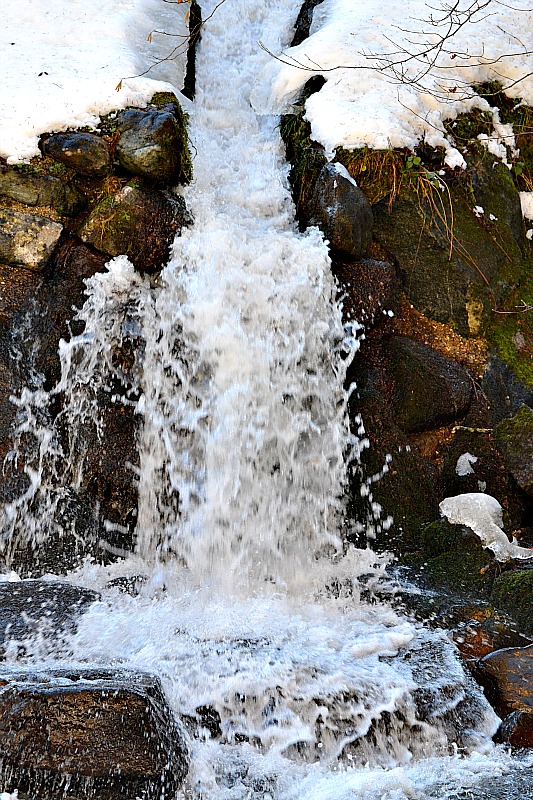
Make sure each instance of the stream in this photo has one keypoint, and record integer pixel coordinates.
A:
(247, 601)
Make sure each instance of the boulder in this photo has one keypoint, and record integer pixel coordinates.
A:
(17, 287)
(513, 592)
(341, 211)
(138, 222)
(514, 437)
(41, 190)
(80, 734)
(428, 389)
(44, 608)
(507, 677)
(368, 290)
(153, 144)
(85, 153)
(27, 240)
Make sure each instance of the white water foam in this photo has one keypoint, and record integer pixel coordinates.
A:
(250, 607)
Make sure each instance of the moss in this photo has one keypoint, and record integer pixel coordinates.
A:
(465, 128)
(160, 99)
(379, 173)
(513, 592)
(306, 158)
(465, 569)
(439, 537)
(512, 333)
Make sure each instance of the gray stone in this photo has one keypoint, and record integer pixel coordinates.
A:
(341, 211)
(137, 222)
(151, 144)
(41, 190)
(48, 608)
(85, 153)
(79, 734)
(27, 240)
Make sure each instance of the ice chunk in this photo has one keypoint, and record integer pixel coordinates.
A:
(464, 464)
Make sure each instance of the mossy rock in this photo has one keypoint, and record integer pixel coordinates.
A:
(513, 592)
(454, 560)
(515, 440)
(459, 265)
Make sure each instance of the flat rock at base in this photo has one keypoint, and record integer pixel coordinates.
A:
(137, 222)
(27, 240)
(85, 153)
(47, 608)
(514, 437)
(76, 734)
(341, 211)
(507, 677)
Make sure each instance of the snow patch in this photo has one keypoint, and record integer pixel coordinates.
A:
(484, 516)
(464, 464)
(526, 201)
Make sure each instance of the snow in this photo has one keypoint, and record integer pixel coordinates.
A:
(526, 201)
(362, 106)
(464, 464)
(484, 516)
(61, 61)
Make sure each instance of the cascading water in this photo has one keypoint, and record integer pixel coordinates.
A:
(251, 608)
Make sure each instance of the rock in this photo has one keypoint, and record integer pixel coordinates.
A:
(507, 677)
(17, 287)
(45, 608)
(514, 437)
(80, 734)
(85, 153)
(304, 21)
(428, 389)
(27, 240)
(449, 284)
(368, 289)
(503, 391)
(41, 190)
(153, 145)
(341, 211)
(137, 222)
(513, 592)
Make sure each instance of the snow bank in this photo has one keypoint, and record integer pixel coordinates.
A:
(483, 514)
(360, 106)
(61, 62)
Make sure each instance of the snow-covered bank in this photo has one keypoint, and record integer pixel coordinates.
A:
(362, 105)
(61, 63)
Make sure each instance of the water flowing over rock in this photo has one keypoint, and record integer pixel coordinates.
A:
(86, 733)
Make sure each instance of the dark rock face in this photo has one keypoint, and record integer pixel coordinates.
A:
(369, 290)
(151, 145)
(27, 607)
(87, 733)
(429, 389)
(85, 153)
(515, 440)
(303, 22)
(41, 190)
(137, 222)
(27, 240)
(507, 676)
(513, 592)
(341, 211)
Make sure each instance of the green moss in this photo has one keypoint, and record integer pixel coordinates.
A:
(512, 334)
(378, 173)
(513, 592)
(466, 568)
(465, 128)
(306, 158)
(160, 99)
(439, 537)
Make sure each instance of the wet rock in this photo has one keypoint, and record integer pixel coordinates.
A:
(513, 592)
(41, 190)
(504, 392)
(137, 222)
(507, 677)
(27, 240)
(368, 289)
(341, 211)
(45, 608)
(85, 153)
(88, 733)
(17, 287)
(153, 145)
(515, 440)
(304, 21)
(429, 389)
(446, 281)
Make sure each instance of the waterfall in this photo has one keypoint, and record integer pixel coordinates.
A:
(250, 605)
